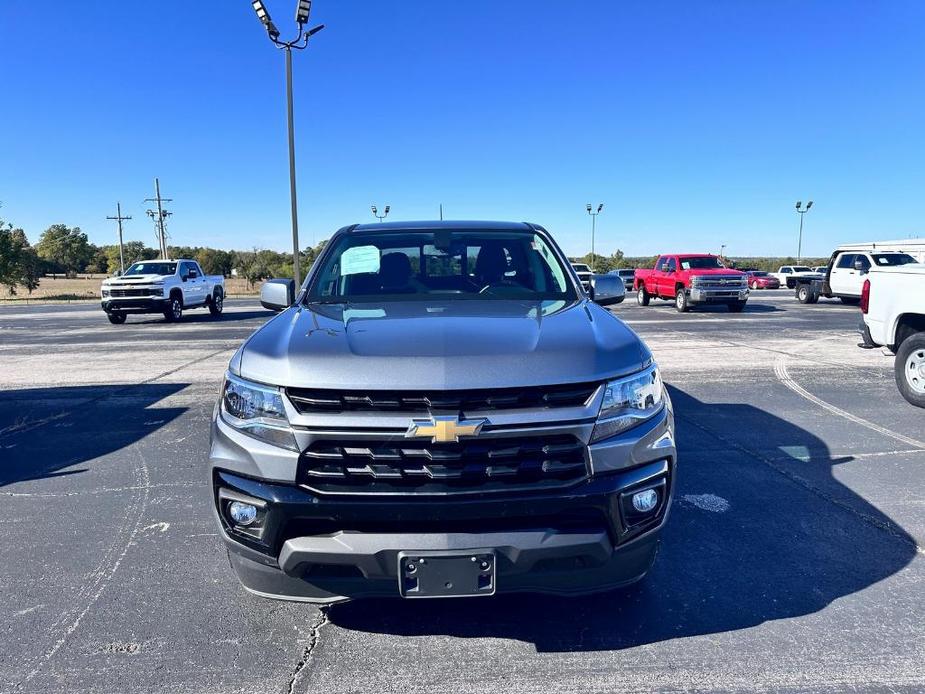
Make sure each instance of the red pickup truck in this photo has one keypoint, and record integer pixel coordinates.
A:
(692, 279)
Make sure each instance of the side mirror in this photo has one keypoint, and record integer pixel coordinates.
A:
(184, 277)
(277, 295)
(607, 289)
(193, 274)
(859, 265)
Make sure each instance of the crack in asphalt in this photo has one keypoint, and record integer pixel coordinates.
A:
(313, 638)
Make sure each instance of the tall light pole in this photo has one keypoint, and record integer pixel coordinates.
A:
(594, 215)
(382, 216)
(721, 249)
(802, 211)
(303, 10)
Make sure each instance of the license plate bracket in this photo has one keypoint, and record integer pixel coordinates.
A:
(446, 574)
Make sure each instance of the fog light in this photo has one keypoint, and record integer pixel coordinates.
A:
(645, 501)
(245, 514)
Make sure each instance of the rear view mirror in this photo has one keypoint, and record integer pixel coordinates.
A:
(607, 289)
(277, 295)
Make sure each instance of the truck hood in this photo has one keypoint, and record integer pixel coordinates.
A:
(441, 345)
(134, 279)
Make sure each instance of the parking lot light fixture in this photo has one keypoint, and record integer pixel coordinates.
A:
(385, 212)
(801, 210)
(303, 10)
(590, 209)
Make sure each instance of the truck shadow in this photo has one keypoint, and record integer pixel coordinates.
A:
(753, 537)
(203, 316)
(43, 431)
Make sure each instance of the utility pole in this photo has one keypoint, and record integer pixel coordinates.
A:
(593, 220)
(159, 216)
(119, 218)
(441, 211)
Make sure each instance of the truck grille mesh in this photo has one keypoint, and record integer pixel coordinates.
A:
(129, 292)
(421, 467)
(307, 400)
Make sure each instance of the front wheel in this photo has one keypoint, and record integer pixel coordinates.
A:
(909, 369)
(217, 304)
(642, 296)
(791, 284)
(737, 306)
(680, 301)
(116, 318)
(755, 285)
(174, 311)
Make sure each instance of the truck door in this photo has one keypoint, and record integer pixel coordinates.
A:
(669, 278)
(657, 276)
(844, 279)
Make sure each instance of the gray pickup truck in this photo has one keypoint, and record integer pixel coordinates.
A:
(441, 411)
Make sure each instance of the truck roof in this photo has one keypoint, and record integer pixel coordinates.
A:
(689, 255)
(467, 225)
(883, 245)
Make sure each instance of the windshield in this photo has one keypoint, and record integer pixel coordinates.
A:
(758, 274)
(415, 265)
(155, 268)
(704, 263)
(887, 259)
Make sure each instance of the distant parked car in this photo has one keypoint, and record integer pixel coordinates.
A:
(791, 275)
(628, 275)
(584, 275)
(758, 279)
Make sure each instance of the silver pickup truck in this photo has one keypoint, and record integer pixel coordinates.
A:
(441, 411)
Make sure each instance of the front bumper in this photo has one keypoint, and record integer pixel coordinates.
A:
(316, 548)
(135, 304)
(717, 296)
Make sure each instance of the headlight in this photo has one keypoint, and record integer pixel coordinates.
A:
(629, 401)
(696, 279)
(105, 292)
(257, 411)
(156, 291)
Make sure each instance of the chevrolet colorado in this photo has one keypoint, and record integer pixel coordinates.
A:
(441, 412)
(161, 286)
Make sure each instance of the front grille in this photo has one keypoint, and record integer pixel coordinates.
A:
(720, 283)
(129, 292)
(420, 467)
(308, 400)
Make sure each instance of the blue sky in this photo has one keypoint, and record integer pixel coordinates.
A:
(695, 123)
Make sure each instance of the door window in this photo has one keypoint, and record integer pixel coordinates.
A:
(672, 266)
(846, 261)
(662, 264)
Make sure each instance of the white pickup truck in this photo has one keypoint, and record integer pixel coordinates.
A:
(162, 286)
(789, 275)
(893, 306)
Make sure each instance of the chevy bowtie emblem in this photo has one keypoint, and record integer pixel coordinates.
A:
(722, 280)
(444, 429)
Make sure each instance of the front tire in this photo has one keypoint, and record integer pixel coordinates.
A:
(174, 310)
(909, 369)
(681, 302)
(755, 286)
(791, 284)
(642, 296)
(116, 318)
(217, 304)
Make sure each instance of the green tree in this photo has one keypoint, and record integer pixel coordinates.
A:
(19, 264)
(66, 248)
(214, 261)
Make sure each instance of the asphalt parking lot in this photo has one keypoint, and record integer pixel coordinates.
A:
(793, 559)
